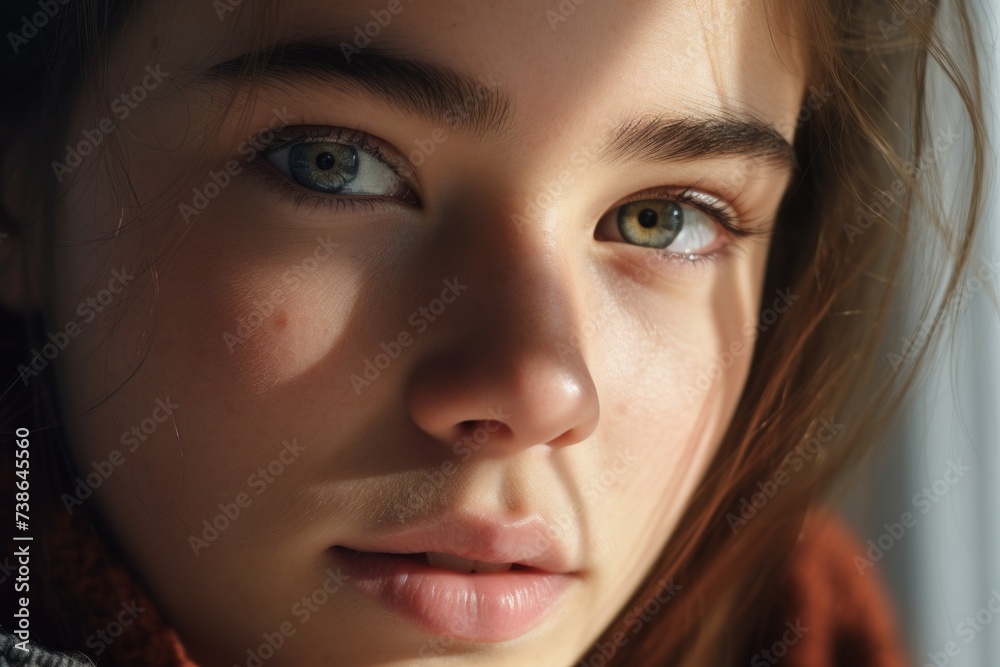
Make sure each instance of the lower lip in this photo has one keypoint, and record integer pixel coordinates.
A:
(482, 607)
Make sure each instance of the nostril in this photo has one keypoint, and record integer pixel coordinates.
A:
(479, 428)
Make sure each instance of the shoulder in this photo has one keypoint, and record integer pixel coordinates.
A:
(835, 609)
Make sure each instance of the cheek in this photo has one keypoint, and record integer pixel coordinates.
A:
(672, 372)
(674, 380)
(685, 359)
(674, 411)
(223, 324)
(263, 322)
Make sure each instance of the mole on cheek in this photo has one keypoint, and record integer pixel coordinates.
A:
(280, 320)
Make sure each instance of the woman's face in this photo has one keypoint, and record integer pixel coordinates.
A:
(474, 297)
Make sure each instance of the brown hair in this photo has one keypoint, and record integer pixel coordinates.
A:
(835, 245)
(841, 250)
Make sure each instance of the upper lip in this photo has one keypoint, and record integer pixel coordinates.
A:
(529, 542)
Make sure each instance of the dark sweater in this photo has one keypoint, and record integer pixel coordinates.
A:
(35, 656)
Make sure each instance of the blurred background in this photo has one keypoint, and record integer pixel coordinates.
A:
(944, 569)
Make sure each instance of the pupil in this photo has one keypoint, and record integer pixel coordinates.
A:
(647, 218)
(325, 161)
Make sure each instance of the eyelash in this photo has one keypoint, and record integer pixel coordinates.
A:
(344, 204)
(724, 214)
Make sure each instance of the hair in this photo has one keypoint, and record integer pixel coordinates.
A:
(843, 253)
(835, 245)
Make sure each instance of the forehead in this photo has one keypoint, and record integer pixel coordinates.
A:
(557, 62)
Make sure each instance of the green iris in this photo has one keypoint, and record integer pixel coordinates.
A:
(324, 166)
(652, 223)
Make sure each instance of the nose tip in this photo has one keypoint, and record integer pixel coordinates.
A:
(497, 360)
(521, 402)
(564, 413)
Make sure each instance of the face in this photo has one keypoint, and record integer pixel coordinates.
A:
(449, 288)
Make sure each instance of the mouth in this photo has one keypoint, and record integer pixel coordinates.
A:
(479, 582)
(444, 561)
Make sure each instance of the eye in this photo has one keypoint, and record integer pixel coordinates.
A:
(339, 167)
(679, 224)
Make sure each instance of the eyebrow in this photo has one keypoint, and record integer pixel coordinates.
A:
(480, 107)
(656, 138)
(429, 91)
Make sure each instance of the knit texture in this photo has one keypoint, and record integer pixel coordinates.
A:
(34, 656)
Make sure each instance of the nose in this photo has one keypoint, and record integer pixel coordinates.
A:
(503, 358)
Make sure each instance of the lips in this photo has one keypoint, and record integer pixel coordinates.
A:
(459, 564)
(468, 578)
(528, 542)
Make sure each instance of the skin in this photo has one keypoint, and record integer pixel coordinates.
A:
(588, 347)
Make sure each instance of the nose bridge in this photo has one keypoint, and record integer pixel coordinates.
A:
(530, 292)
(520, 259)
(499, 352)
(534, 268)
